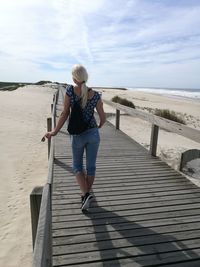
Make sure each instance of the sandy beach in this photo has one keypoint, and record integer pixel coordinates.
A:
(23, 161)
(23, 157)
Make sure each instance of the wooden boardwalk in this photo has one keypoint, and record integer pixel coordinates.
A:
(144, 214)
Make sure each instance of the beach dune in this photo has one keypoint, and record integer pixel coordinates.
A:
(23, 161)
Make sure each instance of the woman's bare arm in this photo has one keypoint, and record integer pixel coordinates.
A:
(101, 113)
(63, 117)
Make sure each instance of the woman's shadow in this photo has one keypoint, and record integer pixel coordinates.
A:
(120, 241)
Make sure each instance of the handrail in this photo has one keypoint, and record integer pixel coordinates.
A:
(157, 122)
(42, 255)
(42, 249)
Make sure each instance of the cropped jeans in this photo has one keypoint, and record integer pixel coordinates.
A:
(87, 141)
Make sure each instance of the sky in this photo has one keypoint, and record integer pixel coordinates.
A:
(130, 43)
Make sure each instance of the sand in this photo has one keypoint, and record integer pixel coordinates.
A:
(23, 158)
(23, 161)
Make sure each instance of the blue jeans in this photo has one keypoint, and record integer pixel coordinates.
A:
(88, 141)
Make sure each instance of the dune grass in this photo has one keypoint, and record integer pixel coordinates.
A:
(10, 86)
(42, 82)
(123, 101)
(169, 114)
(164, 113)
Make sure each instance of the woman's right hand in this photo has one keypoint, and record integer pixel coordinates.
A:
(48, 135)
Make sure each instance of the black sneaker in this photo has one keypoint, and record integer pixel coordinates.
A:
(86, 201)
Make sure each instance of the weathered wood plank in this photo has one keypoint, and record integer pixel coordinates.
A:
(119, 232)
(123, 183)
(66, 222)
(127, 242)
(42, 249)
(154, 140)
(57, 203)
(35, 202)
(129, 262)
(108, 196)
(118, 190)
(144, 255)
(120, 222)
(106, 213)
(138, 177)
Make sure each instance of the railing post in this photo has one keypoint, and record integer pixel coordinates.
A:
(49, 128)
(117, 118)
(35, 202)
(154, 139)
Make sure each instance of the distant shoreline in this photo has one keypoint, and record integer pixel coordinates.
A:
(107, 87)
(174, 93)
(170, 92)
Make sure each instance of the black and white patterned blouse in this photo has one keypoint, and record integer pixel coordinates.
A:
(88, 111)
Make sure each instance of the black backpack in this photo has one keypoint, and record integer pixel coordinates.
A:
(77, 124)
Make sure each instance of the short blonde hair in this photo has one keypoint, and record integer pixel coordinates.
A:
(79, 73)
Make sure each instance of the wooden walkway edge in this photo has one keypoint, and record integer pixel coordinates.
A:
(144, 212)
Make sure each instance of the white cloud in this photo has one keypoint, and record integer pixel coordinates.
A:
(115, 37)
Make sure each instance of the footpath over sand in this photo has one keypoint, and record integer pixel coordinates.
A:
(144, 212)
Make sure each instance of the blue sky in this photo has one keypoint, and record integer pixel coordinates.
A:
(146, 43)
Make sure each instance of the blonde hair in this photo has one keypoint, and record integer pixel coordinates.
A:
(79, 73)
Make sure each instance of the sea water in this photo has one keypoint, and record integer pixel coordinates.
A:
(186, 93)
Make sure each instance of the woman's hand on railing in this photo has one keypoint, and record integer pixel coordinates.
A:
(48, 135)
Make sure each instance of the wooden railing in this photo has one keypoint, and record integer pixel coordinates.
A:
(41, 213)
(157, 122)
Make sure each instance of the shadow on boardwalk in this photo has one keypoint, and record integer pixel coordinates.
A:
(140, 245)
(64, 166)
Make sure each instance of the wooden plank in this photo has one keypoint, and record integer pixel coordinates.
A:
(101, 195)
(108, 196)
(71, 184)
(115, 177)
(132, 170)
(117, 119)
(115, 163)
(136, 202)
(187, 263)
(187, 156)
(154, 140)
(123, 183)
(61, 204)
(49, 128)
(121, 222)
(35, 202)
(66, 222)
(69, 238)
(108, 212)
(127, 242)
(42, 249)
(143, 254)
(119, 190)
(129, 262)
(69, 180)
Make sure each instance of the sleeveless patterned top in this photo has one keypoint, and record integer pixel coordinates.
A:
(88, 111)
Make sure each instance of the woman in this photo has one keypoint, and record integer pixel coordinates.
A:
(87, 141)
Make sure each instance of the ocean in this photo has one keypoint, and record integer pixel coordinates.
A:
(180, 93)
